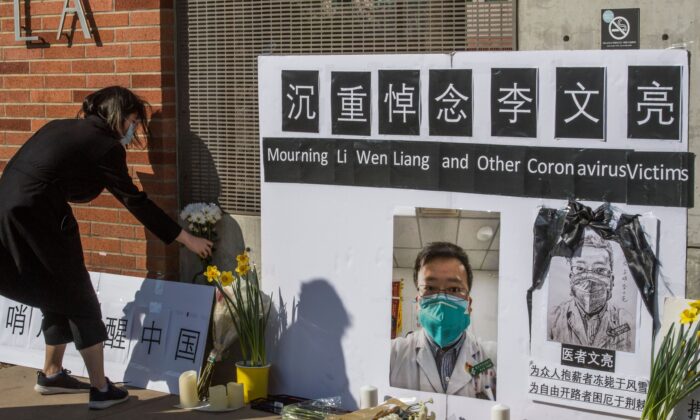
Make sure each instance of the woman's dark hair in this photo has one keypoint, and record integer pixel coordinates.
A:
(114, 104)
(442, 250)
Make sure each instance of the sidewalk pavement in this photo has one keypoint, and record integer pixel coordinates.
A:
(18, 400)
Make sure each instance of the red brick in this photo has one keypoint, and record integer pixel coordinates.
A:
(97, 214)
(152, 49)
(7, 25)
(7, 152)
(141, 4)
(106, 200)
(52, 96)
(134, 273)
(84, 228)
(6, 9)
(46, 8)
(62, 111)
(110, 20)
(24, 111)
(100, 81)
(79, 95)
(119, 50)
(127, 218)
(50, 66)
(38, 123)
(113, 260)
(14, 68)
(65, 81)
(22, 53)
(152, 80)
(102, 244)
(14, 96)
(139, 34)
(61, 51)
(150, 17)
(93, 66)
(23, 82)
(14, 124)
(133, 247)
(113, 230)
(50, 23)
(139, 65)
(101, 5)
(18, 138)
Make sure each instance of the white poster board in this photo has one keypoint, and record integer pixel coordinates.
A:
(156, 330)
(327, 219)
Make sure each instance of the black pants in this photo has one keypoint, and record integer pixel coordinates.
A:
(83, 331)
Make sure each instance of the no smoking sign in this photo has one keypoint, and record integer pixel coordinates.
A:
(619, 29)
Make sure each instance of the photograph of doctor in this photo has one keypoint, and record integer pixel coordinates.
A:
(442, 356)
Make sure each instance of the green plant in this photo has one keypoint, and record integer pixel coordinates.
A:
(674, 368)
(247, 307)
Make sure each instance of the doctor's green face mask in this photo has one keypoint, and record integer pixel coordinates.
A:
(444, 317)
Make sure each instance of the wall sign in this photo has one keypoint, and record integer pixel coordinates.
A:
(619, 29)
(77, 8)
(507, 133)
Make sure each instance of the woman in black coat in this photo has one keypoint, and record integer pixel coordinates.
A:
(41, 257)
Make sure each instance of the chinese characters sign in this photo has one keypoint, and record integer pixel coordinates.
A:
(653, 101)
(155, 331)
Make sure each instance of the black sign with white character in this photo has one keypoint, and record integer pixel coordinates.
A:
(654, 102)
(514, 102)
(300, 101)
(580, 106)
(350, 103)
(450, 103)
(399, 102)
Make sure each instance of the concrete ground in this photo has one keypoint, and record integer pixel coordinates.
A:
(19, 401)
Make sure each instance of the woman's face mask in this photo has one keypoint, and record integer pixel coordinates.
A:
(443, 317)
(129, 135)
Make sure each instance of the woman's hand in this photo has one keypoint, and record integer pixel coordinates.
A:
(199, 246)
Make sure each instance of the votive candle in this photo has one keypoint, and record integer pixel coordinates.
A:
(234, 392)
(188, 389)
(368, 397)
(217, 397)
(500, 412)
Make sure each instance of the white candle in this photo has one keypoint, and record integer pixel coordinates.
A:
(234, 392)
(368, 396)
(217, 397)
(188, 389)
(500, 412)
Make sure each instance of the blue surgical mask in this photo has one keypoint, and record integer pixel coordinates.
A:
(129, 136)
(444, 318)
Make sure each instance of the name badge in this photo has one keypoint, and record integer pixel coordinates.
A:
(614, 332)
(479, 368)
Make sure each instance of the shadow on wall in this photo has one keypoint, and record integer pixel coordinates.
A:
(307, 357)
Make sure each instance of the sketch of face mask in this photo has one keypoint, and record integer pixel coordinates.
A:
(590, 292)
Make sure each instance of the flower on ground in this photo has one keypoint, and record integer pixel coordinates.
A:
(212, 273)
(226, 278)
(695, 304)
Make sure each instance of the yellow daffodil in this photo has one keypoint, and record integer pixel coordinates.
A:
(212, 273)
(243, 259)
(226, 278)
(695, 304)
(689, 315)
(242, 269)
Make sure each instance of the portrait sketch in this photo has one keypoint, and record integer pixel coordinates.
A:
(592, 298)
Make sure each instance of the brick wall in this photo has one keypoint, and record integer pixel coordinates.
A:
(132, 46)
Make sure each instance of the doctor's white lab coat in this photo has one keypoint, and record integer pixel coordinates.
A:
(413, 367)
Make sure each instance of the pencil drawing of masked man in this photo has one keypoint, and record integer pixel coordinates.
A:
(589, 318)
